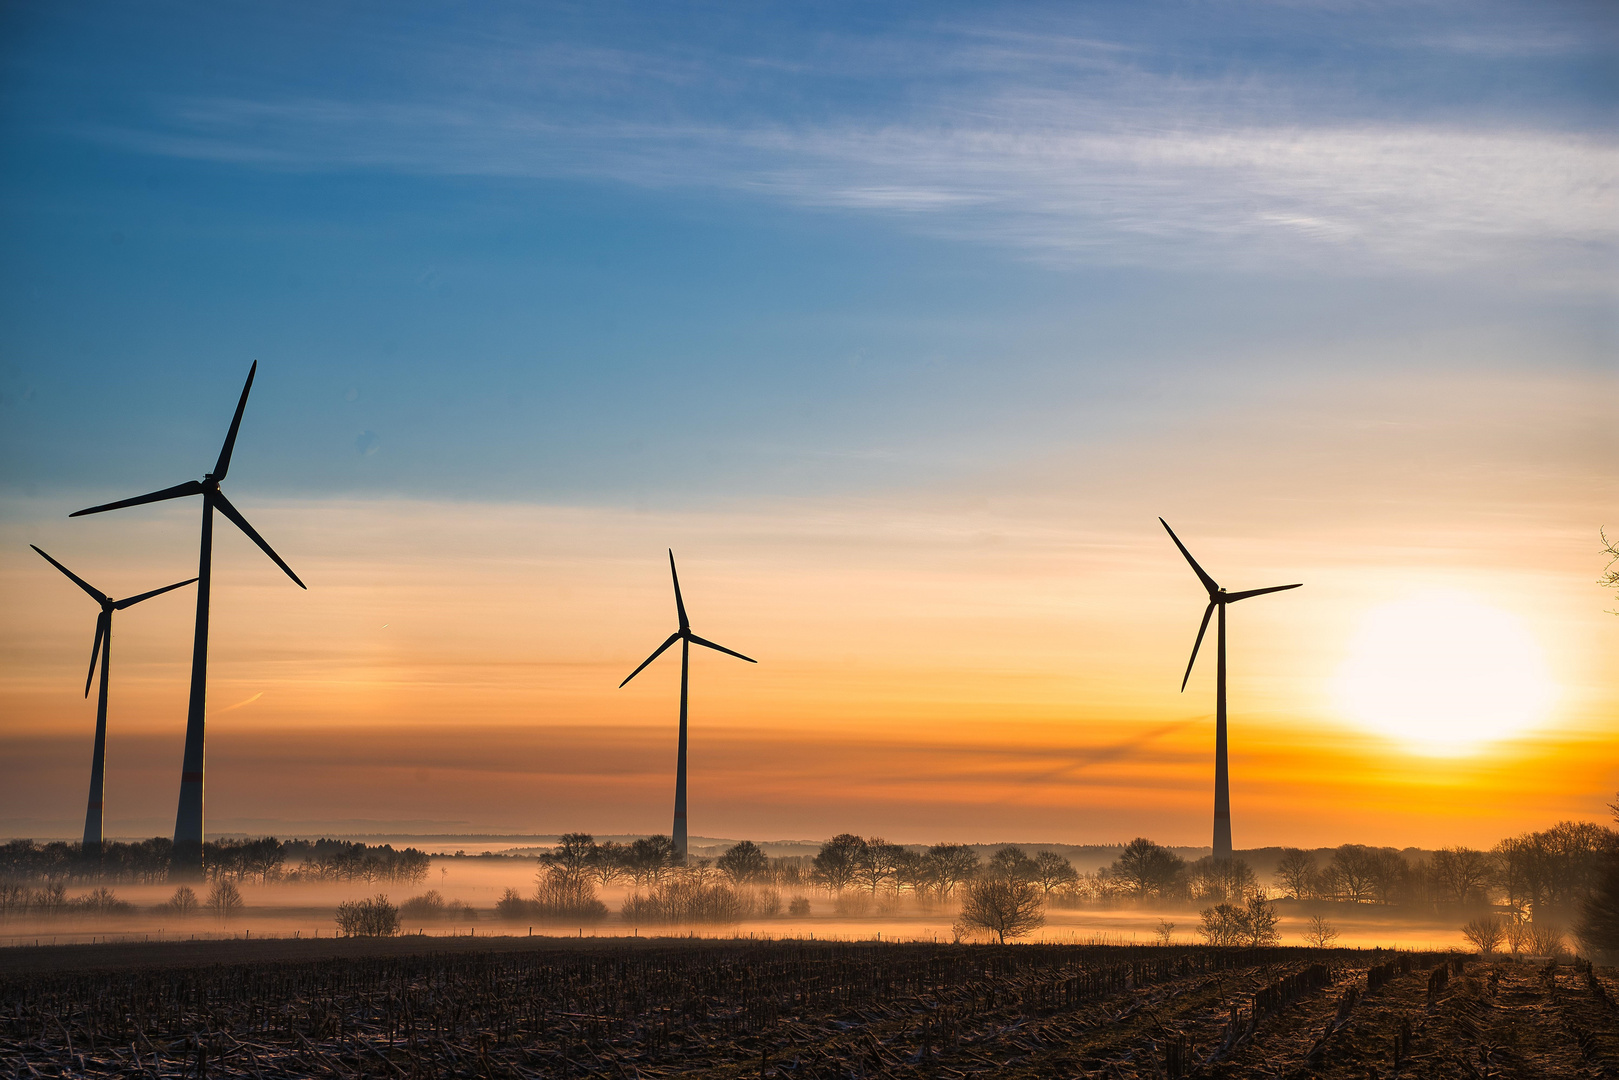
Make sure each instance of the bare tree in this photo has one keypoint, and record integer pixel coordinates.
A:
(225, 900)
(183, 903)
(1002, 906)
(575, 856)
(1297, 874)
(1484, 934)
(838, 861)
(650, 858)
(1012, 864)
(1052, 872)
(1261, 922)
(1320, 933)
(1147, 869)
(1460, 873)
(1610, 576)
(877, 863)
(1224, 925)
(950, 865)
(368, 918)
(744, 862)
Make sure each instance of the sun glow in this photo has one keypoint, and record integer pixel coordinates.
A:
(1444, 673)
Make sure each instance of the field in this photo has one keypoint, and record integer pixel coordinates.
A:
(510, 1007)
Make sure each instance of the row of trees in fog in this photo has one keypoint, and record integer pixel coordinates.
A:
(262, 860)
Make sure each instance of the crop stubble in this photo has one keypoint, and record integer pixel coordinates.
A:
(627, 1008)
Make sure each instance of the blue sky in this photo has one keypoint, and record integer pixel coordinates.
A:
(613, 254)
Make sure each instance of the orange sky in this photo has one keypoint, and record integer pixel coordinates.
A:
(998, 659)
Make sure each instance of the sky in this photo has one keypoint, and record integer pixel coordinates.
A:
(902, 326)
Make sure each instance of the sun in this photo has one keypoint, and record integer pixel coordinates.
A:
(1444, 673)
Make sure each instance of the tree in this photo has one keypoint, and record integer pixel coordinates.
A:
(838, 861)
(1002, 906)
(368, 918)
(650, 858)
(744, 862)
(1224, 925)
(1610, 576)
(612, 861)
(1319, 933)
(575, 856)
(1261, 928)
(1012, 864)
(1146, 869)
(1052, 872)
(560, 895)
(1484, 934)
(1221, 879)
(1165, 932)
(876, 863)
(183, 903)
(1352, 873)
(1598, 925)
(950, 865)
(225, 900)
(1297, 874)
(1459, 874)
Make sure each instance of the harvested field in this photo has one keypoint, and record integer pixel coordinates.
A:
(545, 1007)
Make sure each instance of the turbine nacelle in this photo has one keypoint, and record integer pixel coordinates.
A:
(1218, 598)
(208, 488)
(684, 632)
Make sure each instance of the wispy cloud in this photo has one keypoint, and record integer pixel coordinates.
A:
(1043, 136)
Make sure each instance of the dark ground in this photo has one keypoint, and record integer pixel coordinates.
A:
(515, 1007)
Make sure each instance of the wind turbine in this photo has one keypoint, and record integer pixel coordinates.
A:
(1218, 598)
(687, 639)
(186, 862)
(103, 647)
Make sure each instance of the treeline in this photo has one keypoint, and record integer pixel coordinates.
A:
(260, 860)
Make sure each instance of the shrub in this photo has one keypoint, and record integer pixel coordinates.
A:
(1547, 939)
(853, 904)
(225, 900)
(428, 907)
(684, 900)
(1002, 906)
(1224, 925)
(514, 907)
(368, 918)
(565, 898)
(1485, 934)
(799, 906)
(102, 902)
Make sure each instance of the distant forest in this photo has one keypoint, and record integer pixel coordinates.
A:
(263, 860)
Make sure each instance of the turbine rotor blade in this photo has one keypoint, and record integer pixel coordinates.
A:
(95, 593)
(1208, 582)
(133, 600)
(1201, 630)
(1234, 597)
(695, 640)
(657, 653)
(222, 466)
(680, 606)
(178, 491)
(252, 534)
(103, 626)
